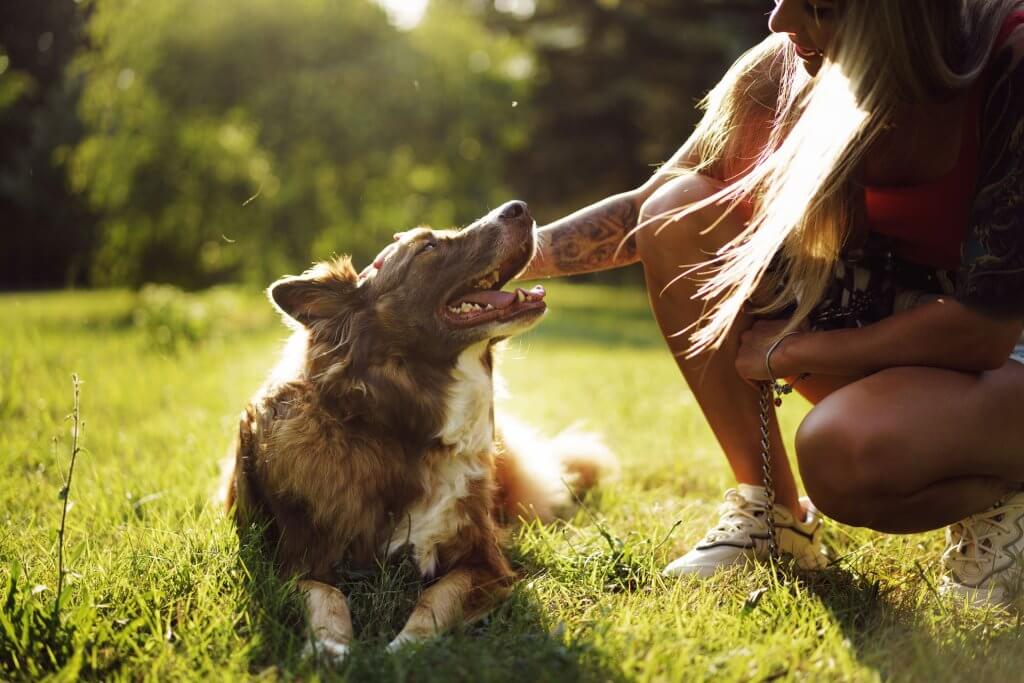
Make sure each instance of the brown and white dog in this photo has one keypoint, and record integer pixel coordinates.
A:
(376, 432)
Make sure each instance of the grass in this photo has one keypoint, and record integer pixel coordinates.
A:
(158, 586)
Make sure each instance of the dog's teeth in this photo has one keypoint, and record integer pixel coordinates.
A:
(489, 307)
(520, 296)
(488, 281)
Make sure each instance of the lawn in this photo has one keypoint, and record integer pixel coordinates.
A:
(160, 588)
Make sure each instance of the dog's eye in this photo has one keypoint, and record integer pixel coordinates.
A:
(426, 246)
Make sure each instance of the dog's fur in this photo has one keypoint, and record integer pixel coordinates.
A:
(376, 432)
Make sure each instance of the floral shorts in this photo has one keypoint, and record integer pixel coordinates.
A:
(860, 295)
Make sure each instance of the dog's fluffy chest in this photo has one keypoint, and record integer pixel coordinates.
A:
(435, 518)
(456, 476)
(469, 420)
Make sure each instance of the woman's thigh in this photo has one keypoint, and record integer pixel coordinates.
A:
(902, 429)
(816, 387)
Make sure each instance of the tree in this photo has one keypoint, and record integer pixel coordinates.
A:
(47, 231)
(245, 138)
(616, 84)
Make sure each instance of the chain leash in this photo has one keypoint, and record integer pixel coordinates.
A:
(766, 468)
(767, 389)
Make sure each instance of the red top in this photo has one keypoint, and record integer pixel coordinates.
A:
(929, 221)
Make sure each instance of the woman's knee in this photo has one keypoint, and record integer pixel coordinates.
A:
(678, 192)
(661, 225)
(844, 461)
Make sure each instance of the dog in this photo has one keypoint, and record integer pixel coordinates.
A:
(376, 432)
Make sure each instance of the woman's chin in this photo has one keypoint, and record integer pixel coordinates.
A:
(813, 66)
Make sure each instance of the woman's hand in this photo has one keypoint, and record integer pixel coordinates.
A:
(754, 344)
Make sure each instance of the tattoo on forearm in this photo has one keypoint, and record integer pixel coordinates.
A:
(594, 240)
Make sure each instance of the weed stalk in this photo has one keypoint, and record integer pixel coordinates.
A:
(77, 425)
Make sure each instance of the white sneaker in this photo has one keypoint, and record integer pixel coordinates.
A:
(984, 555)
(742, 536)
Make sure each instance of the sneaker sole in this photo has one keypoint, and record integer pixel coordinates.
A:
(974, 596)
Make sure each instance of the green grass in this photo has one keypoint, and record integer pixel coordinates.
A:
(160, 589)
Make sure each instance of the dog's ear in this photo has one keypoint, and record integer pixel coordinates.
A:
(325, 291)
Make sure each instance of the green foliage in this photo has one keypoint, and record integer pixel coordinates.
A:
(162, 588)
(14, 83)
(33, 639)
(173, 321)
(191, 142)
(615, 86)
(245, 138)
(169, 319)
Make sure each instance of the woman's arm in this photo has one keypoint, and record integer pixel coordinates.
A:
(743, 103)
(588, 240)
(595, 237)
(941, 334)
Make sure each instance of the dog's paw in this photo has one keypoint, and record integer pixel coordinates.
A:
(401, 641)
(327, 650)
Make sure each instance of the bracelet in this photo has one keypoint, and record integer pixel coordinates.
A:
(771, 349)
(780, 388)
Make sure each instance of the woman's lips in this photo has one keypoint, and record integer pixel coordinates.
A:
(806, 53)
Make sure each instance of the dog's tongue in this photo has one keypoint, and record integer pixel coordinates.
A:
(500, 299)
(489, 296)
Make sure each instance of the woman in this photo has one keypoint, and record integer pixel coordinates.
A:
(865, 164)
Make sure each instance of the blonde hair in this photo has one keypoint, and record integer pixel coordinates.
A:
(798, 176)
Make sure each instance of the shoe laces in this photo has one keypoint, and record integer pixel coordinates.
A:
(972, 548)
(737, 516)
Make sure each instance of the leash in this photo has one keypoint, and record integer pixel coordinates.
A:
(780, 389)
(766, 469)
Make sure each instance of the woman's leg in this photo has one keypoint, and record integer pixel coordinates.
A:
(730, 404)
(912, 449)
(816, 387)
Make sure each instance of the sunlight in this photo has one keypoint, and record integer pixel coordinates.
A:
(405, 14)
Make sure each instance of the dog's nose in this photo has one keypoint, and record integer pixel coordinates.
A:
(513, 210)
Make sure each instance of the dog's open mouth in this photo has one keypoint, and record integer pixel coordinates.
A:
(482, 299)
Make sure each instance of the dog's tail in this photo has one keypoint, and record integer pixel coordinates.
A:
(542, 478)
(232, 490)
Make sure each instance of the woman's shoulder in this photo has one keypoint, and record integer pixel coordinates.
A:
(739, 111)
